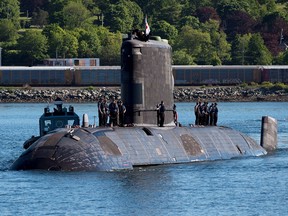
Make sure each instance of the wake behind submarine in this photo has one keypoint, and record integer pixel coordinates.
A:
(146, 79)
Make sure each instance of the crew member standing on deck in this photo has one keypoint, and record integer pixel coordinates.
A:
(197, 111)
(175, 115)
(105, 112)
(100, 113)
(158, 114)
(122, 111)
(205, 111)
(162, 110)
(215, 114)
(113, 112)
(211, 114)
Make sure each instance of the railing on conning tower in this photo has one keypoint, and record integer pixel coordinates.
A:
(148, 110)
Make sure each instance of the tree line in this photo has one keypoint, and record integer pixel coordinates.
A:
(202, 32)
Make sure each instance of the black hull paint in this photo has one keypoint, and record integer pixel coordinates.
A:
(108, 149)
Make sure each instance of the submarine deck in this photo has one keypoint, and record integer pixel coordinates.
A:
(107, 148)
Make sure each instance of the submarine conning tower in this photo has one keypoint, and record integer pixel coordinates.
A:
(146, 80)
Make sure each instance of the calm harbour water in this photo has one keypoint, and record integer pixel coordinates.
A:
(252, 186)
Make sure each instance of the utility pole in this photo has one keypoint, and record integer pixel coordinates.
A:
(243, 51)
(0, 56)
(102, 19)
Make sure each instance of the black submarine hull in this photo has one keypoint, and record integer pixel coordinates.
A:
(108, 149)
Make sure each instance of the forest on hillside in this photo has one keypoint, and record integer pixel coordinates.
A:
(201, 32)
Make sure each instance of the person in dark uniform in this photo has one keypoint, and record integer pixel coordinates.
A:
(158, 114)
(175, 115)
(211, 114)
(105, 112)
(162, 110)
(197, 112)
(58, 102)
(113, 112)
(122, 111)
(140, 35)
(205, 112)
(215, 114)
(100, 113)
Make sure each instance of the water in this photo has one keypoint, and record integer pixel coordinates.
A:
(253, 186)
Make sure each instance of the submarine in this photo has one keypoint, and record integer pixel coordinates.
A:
(64, 144)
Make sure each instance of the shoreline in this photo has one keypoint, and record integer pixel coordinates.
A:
(181, 94)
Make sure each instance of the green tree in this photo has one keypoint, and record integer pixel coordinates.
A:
(40, 17)
(55, 35)
(110, 46)
(9, 9)
(70, 45)
(190, 7)
(76, 23)
(223, 48)
(75, 14)
(62, 43)
(220, 46)
(271, 6)
(124, 16)
(8, 33)
(181, 57)
(165, 31)
(33, 45)
(279, 59)
(257, 53)
(190, 21)
(225, 7)
(285, 58)
(196, 43)
(239, 49)
(168, 10)
(251, 7)
(55, 10)
(89, 42)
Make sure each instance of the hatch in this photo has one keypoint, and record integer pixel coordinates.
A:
(147, 131)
